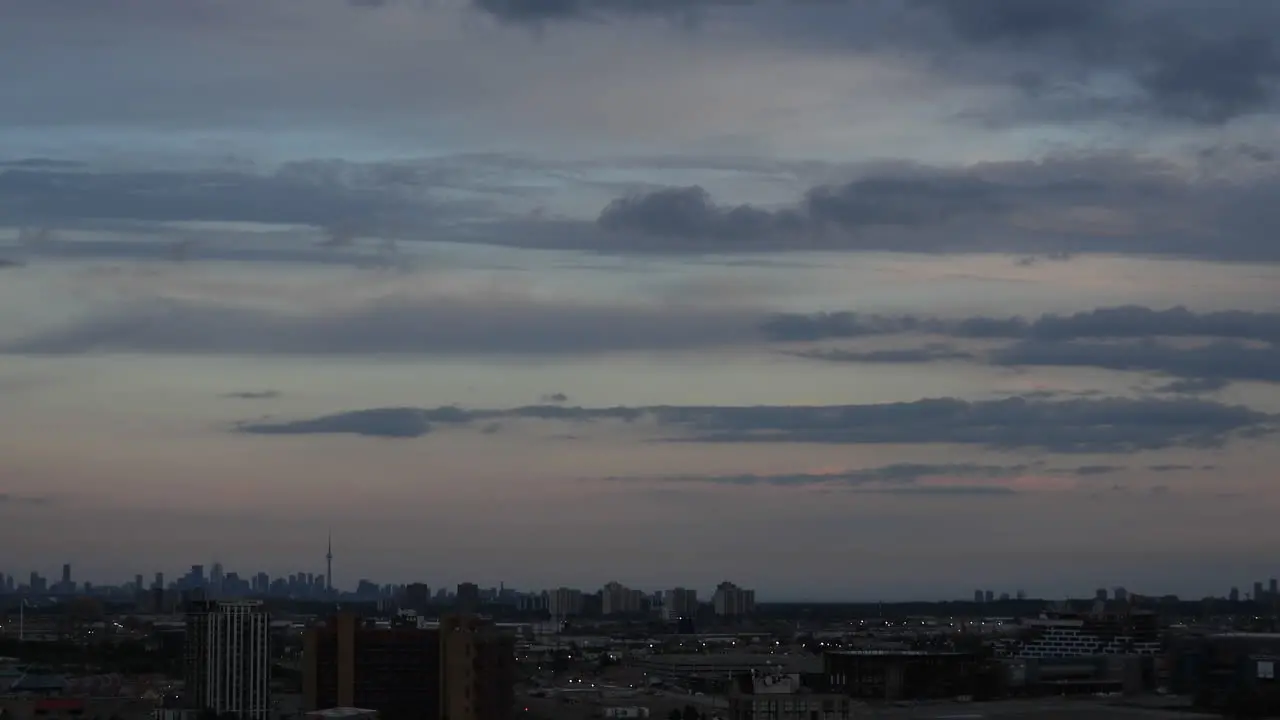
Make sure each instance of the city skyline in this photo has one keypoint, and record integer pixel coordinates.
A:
(301, 583)
(880, 299)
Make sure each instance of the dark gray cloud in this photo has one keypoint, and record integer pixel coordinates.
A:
(1177, 468)
(945, 490)
(40, 163)
(555, 398)
(1025, 21)
(540, 11)
(308, 194)
(808, 327)
(1195, 386)
(1129, 321)
(896, 477)
(1091, 470)
(1123, 338)
(252, 394)
(1205, 61)
(1125, 322)
(1107, 425)
(495, 323)
(397, 423)
(11, 500)
(1054, 207)
(926, 354)
(1058, 205)
(1215, 362)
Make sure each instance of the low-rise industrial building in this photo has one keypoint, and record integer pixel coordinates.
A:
(900, 674)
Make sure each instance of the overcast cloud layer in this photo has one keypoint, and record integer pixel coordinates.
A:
(1107, 425)
(833, 271)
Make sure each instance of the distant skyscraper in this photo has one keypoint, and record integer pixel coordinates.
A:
(228, 658)
(729, 600)
(1272, 589)
(679, 603)
(468, 599)
(1257, 591)
(216, 578)
(564, 603)
(66, 575)
(159, 583)
(1234, 595)
(1120, 594)
(618, 599)
(989, 595)
(328, 566)
(137, 583)
(978, 596)
(1101, 594)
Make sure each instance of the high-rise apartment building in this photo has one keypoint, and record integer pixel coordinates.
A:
(477, 670)
(730, 600)
(228, 658)
(679, 603)
(461, 669)
(395, 670)
(564, 603)
(617, 599)
(468, 598)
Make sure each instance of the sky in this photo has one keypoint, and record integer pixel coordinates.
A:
(875, 300)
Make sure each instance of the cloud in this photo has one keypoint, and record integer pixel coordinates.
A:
(1107, 425)
(1092, 470)
(1051, 207)
(1192, 60)
(555, 398)
(320, 194)
(945, 490)
(540, 11)
(926, 354)
(398, 423)
(1214, 362)
(253, 395)
(1248, 346)
(897, 473)
(1066, 204)
(896, 478)
(1204, 61)
(391, 321)
(1177, 468)
(1122, 322)
(1195, 386)
(11, 500)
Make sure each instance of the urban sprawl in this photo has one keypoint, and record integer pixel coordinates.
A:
(219, 646)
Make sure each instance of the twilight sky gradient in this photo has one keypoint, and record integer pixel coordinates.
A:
(880, 299)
